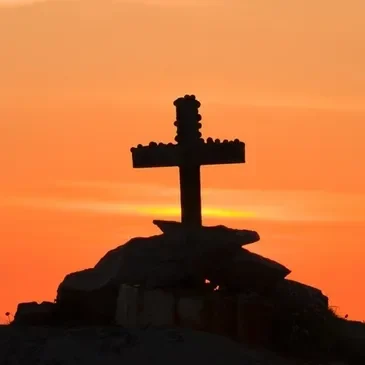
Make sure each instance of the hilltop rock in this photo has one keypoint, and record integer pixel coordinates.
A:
(173, 259)
(247, 271)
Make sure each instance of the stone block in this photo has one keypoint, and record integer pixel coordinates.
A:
(222, 312)
(137, 307)
(190, 312)
(213, 312)
(254, 320)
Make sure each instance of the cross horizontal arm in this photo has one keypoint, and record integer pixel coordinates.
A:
(221, 153)
(163, 155)
(206, 153)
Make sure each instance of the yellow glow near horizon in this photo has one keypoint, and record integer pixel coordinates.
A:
(206, 212)
(122, 208)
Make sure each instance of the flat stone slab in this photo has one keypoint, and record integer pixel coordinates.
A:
(229, 236)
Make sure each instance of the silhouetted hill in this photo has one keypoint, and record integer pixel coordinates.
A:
(109, 345)
(200, 279)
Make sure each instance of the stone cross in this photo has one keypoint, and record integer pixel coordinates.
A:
(190, 152)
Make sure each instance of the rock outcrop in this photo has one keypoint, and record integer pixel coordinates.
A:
(177, 258)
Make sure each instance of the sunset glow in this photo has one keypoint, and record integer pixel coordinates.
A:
(82, 81)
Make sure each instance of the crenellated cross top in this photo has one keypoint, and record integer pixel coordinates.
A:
(190, 152)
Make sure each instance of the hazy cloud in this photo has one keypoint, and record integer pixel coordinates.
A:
(159, 200)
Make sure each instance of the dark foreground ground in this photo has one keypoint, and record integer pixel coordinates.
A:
(106, 345)
(115, 345)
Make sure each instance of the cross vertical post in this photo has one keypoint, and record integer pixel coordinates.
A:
(190, 196)
(188, 137)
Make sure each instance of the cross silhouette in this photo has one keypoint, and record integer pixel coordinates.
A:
(190, 152)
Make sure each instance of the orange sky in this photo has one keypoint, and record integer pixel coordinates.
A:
(83, 81)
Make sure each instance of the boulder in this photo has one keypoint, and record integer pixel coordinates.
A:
(247, 271)
(32, 313)
(292, 294)
(287, 314)
(92, 306)
(90, 295)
